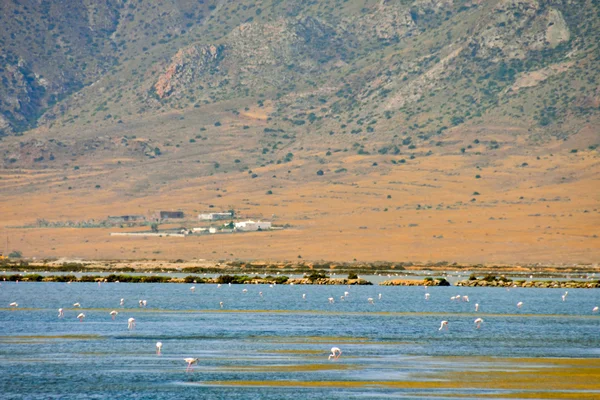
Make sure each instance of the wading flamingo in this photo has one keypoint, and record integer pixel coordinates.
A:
(476, 307)
(113, 314)
(221, 304)
(14, 304)
(61, 313)
(76, 305)
(190, 362)
(595, 309)
(122, 303)
(158, 347)
(520, 304)
(131, 323)
(370, 300)
(335, 353)
(304, 296)
(443, 325)
(331, 301)
(81, 317)
(427, 296)
(193, 289)
(478, 322)
(379, 296)
(564, 296)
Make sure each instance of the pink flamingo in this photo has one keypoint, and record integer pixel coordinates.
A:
(335, 353)
(190, 362)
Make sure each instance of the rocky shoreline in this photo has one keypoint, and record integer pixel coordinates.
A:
(284, 280)
(531, 284)
(327, 281)
(223, 279)
(424, 282)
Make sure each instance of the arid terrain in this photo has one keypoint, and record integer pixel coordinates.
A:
(435, 131)
(428, 209)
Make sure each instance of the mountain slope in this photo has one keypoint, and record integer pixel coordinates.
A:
(314, 111)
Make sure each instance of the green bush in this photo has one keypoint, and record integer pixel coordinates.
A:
(316, 275)
(352, 275)
(65, 278)
(15, 254)
(442, 282)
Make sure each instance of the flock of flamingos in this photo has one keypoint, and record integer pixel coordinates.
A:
(336, 352)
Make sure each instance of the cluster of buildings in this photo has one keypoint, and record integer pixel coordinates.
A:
(244, 226)
(166, 216)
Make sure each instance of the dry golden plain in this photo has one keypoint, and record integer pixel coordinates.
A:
(519, 203)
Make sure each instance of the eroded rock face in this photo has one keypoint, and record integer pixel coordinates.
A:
(186, 66)
(49, 50)
(254, 54)
(5, 128)
(387, 21)
(517, 27)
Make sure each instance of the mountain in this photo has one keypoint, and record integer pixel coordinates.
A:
(140, 103)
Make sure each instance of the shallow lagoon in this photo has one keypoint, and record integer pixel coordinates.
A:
(276, 346)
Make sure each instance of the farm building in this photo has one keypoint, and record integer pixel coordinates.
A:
(215, 216)
(171, 214)
(248, 226)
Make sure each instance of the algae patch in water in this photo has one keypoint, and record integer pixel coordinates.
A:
(520, 378)
(37, 338)
(292, 368)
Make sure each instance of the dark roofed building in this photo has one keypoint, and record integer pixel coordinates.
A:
(171, 214)
(125, 218)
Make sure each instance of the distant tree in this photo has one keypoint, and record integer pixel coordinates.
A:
(154, 227)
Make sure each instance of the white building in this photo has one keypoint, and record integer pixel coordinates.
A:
(215, 216)
(247, 226)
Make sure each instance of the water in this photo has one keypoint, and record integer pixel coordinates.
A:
(276, 346)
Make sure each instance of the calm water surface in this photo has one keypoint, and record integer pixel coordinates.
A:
(278, 337)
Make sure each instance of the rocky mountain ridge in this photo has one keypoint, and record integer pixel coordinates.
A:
(353, 68)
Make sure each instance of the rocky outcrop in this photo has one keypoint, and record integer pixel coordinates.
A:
(519, 26)
(408, 282)
(327, 281)
(187, 66)
(531, 284)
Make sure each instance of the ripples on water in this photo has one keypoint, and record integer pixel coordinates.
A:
(275, 346)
